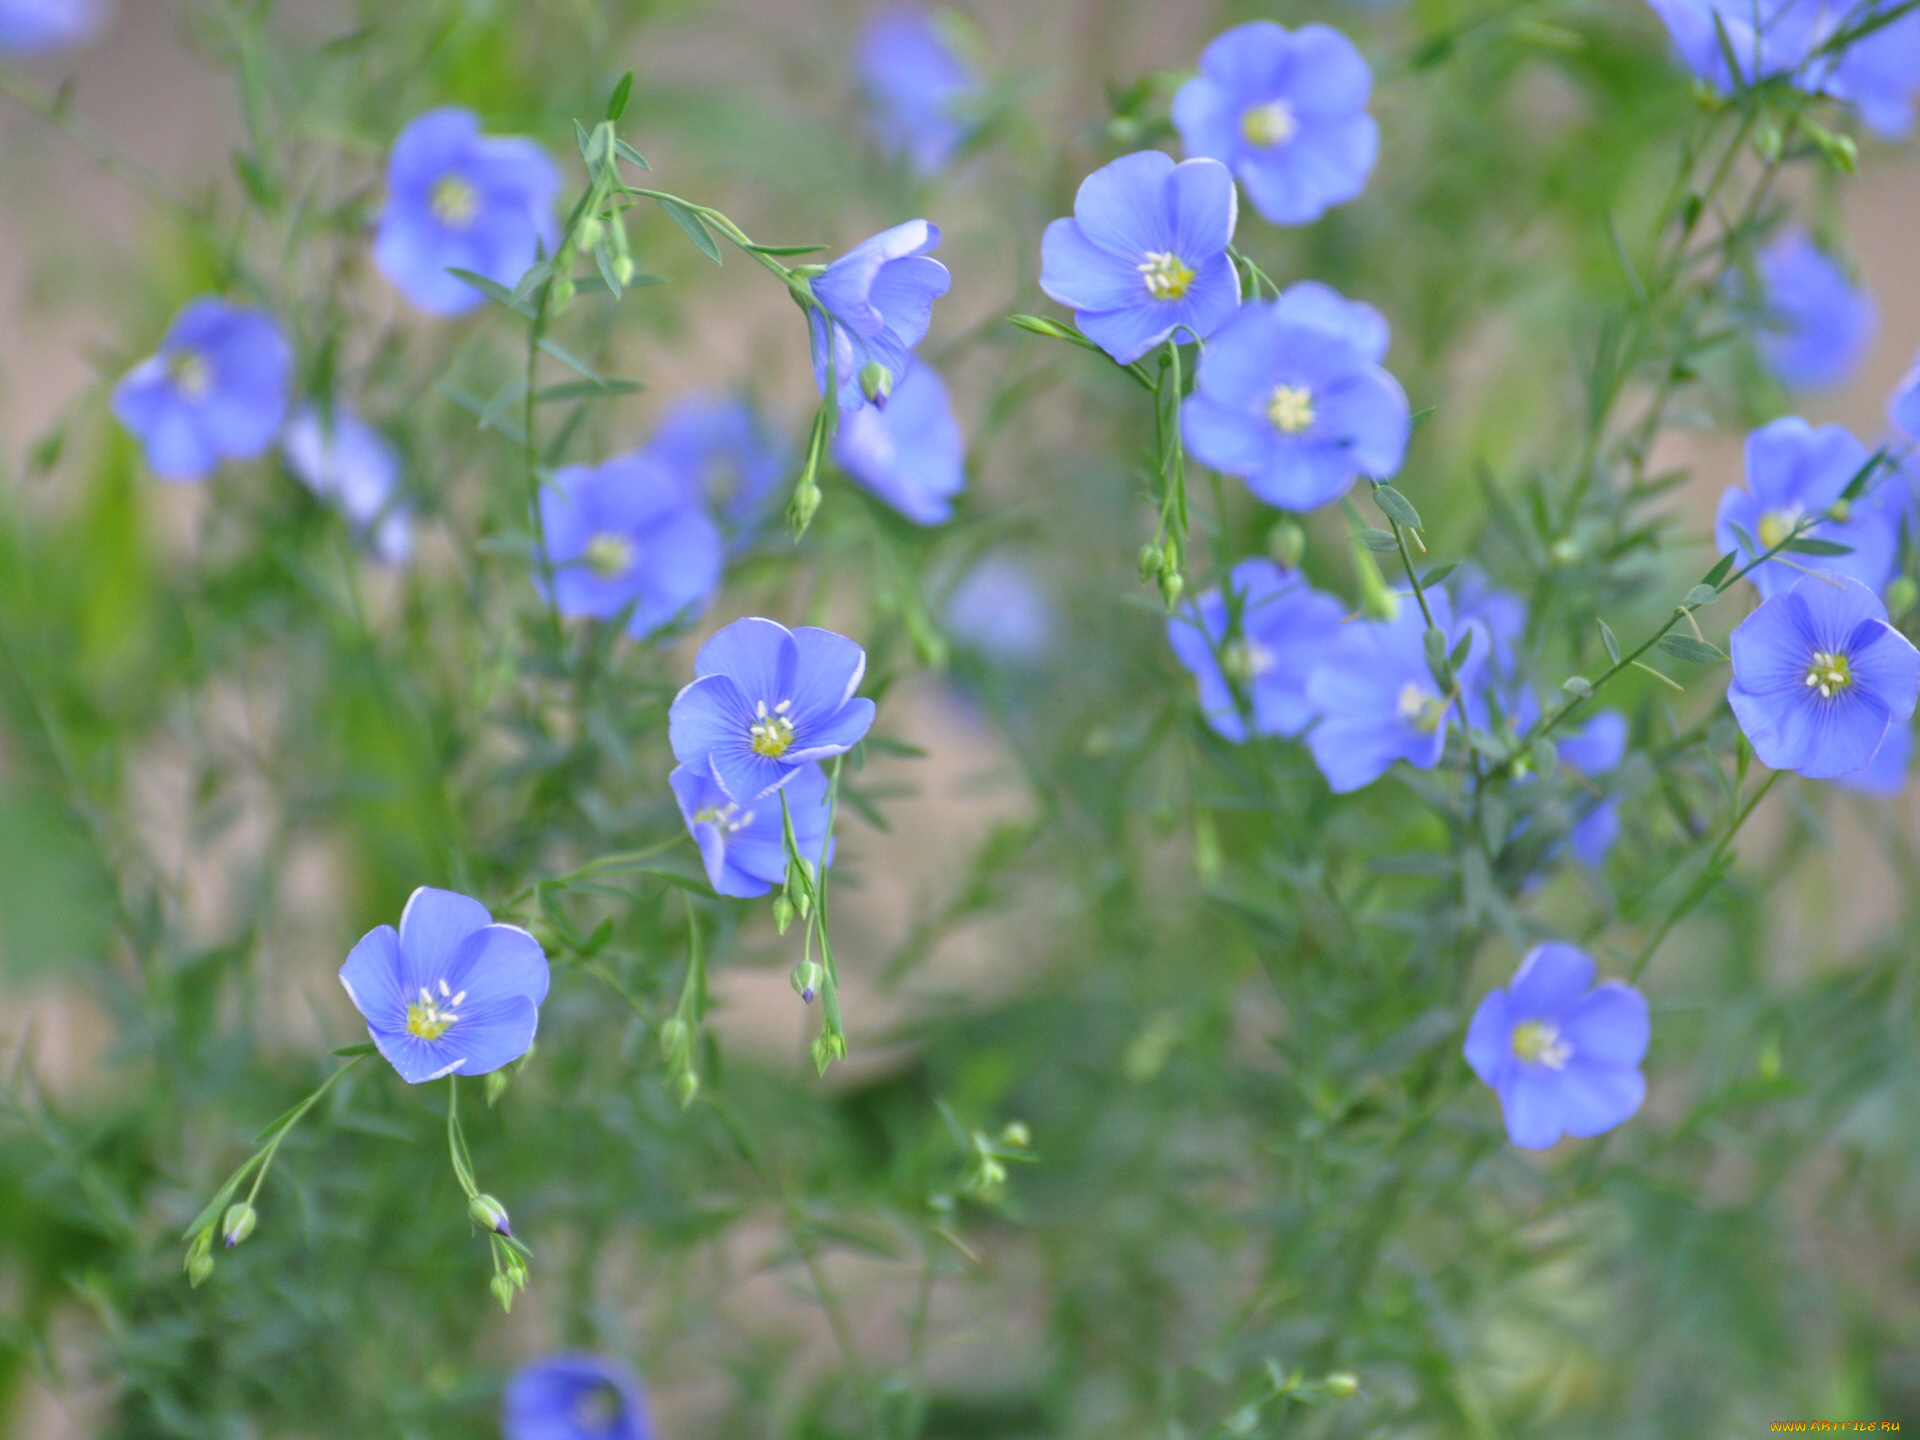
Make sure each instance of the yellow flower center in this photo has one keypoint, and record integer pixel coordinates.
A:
(1269, 125)
(1777, 525)
(1421, 708)
(1830, 673)
(192, 375)
(431, 1015)
(1538, 1042)
(772, 732)
(609, 555)
(455, 202)
(1167, 276)
(724, 817)
(1246, 659)
(1290, 408)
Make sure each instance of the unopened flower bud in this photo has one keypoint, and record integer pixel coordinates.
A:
(489, 1214)
(1341, 1385)
(676, 1038)
(1287, 543)
(239, 1223)
(1840, 510)
(876, 383)
(502, 1289)
(1902, 595)
(782, 913)
(592, 231)
(562, 294)
(1150, 562)
(623, 269)
(1172, 583)
(806, 980)
(806, 500)
(199, 1268)
(1016, 1136)
(686, 1085)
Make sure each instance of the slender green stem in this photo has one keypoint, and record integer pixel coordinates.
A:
(1697, 891)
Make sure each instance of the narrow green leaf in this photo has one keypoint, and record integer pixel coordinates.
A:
(572, 362)
(694, 227)
(1685, 647)
(627, 153)
(586, 390)
(781, 250)
(1607, 639)
(1438, 573)
(347, 1052)
(1393, 503)
(1700, 595)
(1666, 680)
(492, 289)
(1577, 685)
(617, 102)
(1381, 541)
(1808, 545)
(1720, 570)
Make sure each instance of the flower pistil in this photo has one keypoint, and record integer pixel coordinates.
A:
(1421, 708)
(1167, 276)
(772, 732)
(430, 1016)
(1539, 1042)
(1290, 408)
(1830, 672)
(455, 202)
(609, 555)
(1268, 125)
(192, 375)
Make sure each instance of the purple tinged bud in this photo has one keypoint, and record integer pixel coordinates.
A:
(489, 1214)
(238, 1224)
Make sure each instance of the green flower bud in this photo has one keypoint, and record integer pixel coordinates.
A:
(686, 1085)
(1150, 562)
(1902, 595)
(489, 1214)
(676, 1039)
(199, 1268)
(562, 294)
(782, 912)
(806, 980)
(1341, 1385)
(1016, 1136)
(1287, 543)
(502, 1289)
(591, 232)
(876, 382)
(623, 269)
(239, 1223)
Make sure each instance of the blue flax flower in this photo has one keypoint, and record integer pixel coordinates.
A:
(348, 463)
(743, 845)
(765, 702)
(1291, 397)
(1794, 471)
(628, 534)
(1002, 611)
(574, 1397)
(1816, 324)
(1286, 111)
(451, 991)
(457, 199)
(1378, 701)
(1562, 1053)
(1877, 73)
(910, 452)
(33, 27)
(1592, 752)
(216, 390)
(720, 449)
(1903, 406)
(879, 301)
(1285, 629)
(1476, 597)
(1145, 253)
(919, 89)
(1820, 677)
(1884, 776)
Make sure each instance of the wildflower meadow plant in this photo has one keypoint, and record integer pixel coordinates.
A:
(1233, 726)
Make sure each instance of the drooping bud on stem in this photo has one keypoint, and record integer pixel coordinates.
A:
(806, 979)
(489, 1214)
(238, 1224)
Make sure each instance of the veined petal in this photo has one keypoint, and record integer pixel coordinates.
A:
(1550, 982)
(710, 714)
(372, 976)
(498, 961)
(1121, 206)
(1608, 1026)
(432, 929)
(758, 654)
